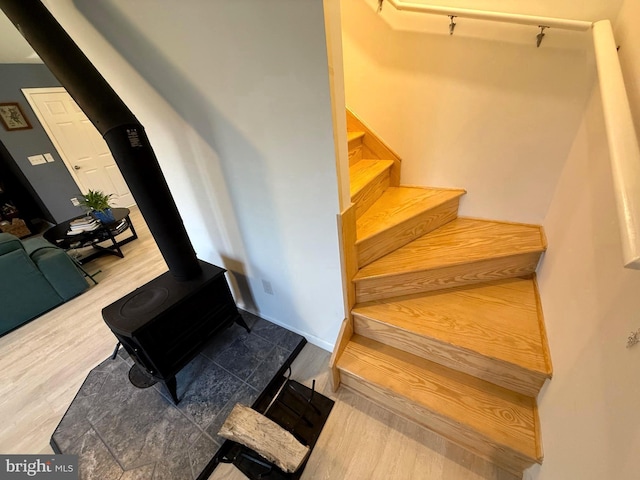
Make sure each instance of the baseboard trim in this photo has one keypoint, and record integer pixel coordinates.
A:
(318, 342)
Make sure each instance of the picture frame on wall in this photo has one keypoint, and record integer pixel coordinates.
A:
(12, 117)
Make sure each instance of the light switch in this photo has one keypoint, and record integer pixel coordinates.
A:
(37, 159)
(49, 157)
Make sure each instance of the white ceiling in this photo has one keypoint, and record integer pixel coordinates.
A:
(14, 48)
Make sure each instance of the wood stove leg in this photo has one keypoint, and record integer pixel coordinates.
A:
(240, 321)
(172, 385)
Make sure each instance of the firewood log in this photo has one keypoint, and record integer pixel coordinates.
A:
(265, 437)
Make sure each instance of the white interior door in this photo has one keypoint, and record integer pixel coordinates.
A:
(81, 147)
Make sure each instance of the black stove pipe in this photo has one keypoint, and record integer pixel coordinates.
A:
(123, 133)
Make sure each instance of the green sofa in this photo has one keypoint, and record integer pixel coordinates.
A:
(35, 276)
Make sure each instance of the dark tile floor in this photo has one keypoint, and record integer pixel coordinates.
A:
(121, 432)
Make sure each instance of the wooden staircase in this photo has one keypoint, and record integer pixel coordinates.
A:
(446, 326)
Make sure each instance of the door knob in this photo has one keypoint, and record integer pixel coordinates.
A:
(77, 167)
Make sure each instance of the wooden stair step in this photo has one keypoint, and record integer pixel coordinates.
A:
(493, 331)
(462, 252)
(355, 142)
(493, 422)
(401, 215)
(354, 137)
(368, 180)
(373, 146)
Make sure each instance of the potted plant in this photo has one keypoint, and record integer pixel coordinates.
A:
(97, 203)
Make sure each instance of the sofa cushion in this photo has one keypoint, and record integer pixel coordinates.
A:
(31, 294)
(9, 243)
(59, 269)
(32, 245)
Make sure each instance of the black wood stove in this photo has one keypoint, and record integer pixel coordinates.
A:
(166, 322)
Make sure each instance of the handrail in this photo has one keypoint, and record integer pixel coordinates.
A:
(562, 23)
(623, 143)
(624, 151)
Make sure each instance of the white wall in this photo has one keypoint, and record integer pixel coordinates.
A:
(628, 38)
(483, 110)
(235, 98)
(590, 410)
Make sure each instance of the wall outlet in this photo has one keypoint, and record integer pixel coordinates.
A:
(268, 289)
(75, 202)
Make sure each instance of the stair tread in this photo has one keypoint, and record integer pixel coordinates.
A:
(363, 172)
(354, 136)
(462, 240)
(398, 204)
(503, 416)
(499, 320)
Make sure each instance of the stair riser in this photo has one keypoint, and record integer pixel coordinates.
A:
(389, 286)
(455, 432)
(355, 156)
(355, 151)
(464, 360)
(389, 240)
(372, 192)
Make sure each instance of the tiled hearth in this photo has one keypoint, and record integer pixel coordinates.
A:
(125, 433)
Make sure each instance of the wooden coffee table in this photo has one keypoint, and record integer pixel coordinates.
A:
(106, 232)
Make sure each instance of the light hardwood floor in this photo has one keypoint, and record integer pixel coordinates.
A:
(43, 363)
(362, 441)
